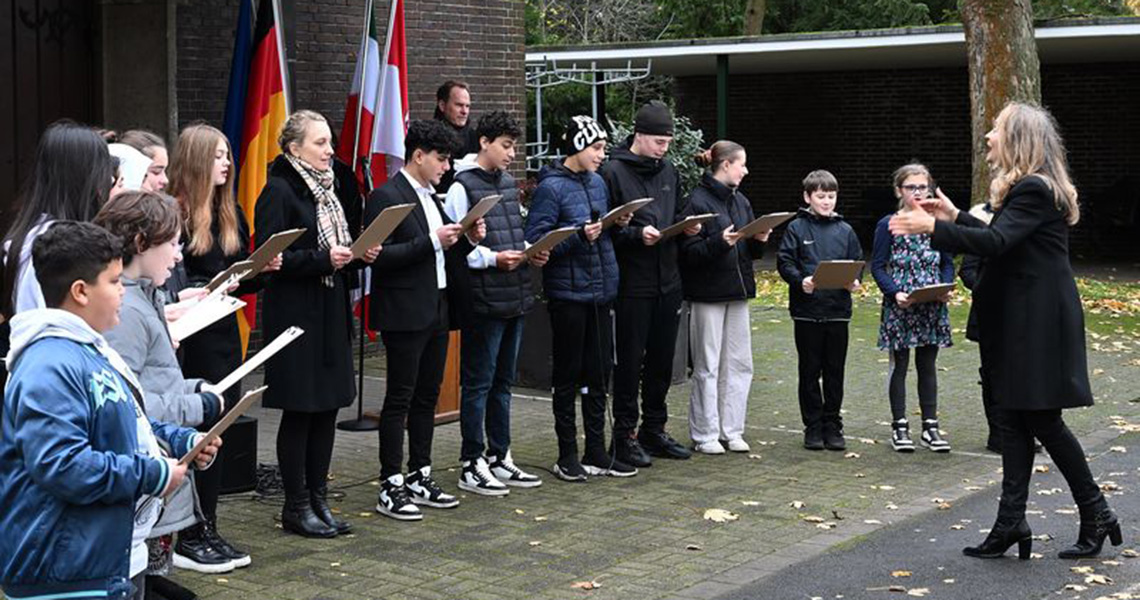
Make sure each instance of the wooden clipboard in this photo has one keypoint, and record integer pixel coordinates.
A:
(238, 270)
(836, 274)
(284, 339)
(549, 241)
(276, 244)
(628, 208)
(381, 227)
(930, 293)
(206, 312)
(221, 426)
(478, 211)
(767, 222)
(683, 224)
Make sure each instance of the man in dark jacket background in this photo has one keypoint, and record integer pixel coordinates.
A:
(647, 312)
(453, 108)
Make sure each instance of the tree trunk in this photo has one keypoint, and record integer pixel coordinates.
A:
(754, 16)
(1003, 66)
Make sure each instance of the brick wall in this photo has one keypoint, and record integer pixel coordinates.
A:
(862, 125)
(480, 41)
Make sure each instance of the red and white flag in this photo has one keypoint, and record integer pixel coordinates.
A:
(383, 104)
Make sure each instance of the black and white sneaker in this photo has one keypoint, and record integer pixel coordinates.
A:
(600, 463)
(426, 492)
(395, 502)
(569, 469)
(477, 479)
(900, 436)
(505, 470)
(932, 438)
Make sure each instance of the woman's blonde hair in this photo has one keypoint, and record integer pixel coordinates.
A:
(192, 183)
(909, 170)
(1030, 144)
(294, 128)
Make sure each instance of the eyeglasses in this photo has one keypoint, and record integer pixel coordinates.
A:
(915, 189)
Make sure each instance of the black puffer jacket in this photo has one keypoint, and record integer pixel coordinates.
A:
(713, 271)
(646, 271)
(809, 240)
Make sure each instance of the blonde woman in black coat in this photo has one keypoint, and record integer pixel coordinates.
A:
(312, 378)
(1030, 321)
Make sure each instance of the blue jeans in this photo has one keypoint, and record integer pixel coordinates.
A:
(489, 350)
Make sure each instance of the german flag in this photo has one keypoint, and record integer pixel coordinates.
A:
(256, 108)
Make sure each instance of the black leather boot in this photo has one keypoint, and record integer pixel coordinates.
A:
(319, 501)
(298, 516)
(1097, 523)
(1005, 533)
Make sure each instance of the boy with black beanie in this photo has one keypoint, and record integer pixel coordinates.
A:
(649, 294)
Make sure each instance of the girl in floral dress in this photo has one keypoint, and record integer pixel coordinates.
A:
(900, 265)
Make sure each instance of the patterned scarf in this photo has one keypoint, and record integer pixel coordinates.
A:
(332, 227)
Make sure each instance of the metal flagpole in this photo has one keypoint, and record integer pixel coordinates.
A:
(281, 56)
(363, 84)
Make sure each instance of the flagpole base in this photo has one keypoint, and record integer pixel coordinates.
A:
(361, 424)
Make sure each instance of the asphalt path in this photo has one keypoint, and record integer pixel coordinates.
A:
(928, 548)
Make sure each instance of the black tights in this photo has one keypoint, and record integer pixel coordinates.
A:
(304, 449)
(924, 363)
(1018, 428)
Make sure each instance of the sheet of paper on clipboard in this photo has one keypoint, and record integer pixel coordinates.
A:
(930, 293)
(764, 223)
(284, 339)
(836, 274)
(549, 241)
(683, 224)
(276, 244)
(206, 312)
(479, 211)
(230, 276)
(221, 426)
(625, 209)
(381, 227)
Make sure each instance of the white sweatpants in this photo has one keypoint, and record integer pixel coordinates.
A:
(720, 340)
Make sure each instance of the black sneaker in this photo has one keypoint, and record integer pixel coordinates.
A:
(477, 479)
(600, 463)
(932, 438)
(813, 437)
(629, 451)
(833, 436)
(505, 470)
(661, 445)
(395, 502)
(194, 553)
(210, 532)
(569, 469)
(900, 436)
(426, 492)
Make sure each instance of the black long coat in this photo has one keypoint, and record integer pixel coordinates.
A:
(1030, 322)
(314, 373)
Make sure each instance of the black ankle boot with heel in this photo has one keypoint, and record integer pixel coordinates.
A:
(319, 501)
(298, 517)
(1004, 534)
(1097, 524)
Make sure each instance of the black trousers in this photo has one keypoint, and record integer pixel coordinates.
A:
(646, 339)
(1018, 428)
(822, 349)
(304, 449)
(583, 356)
(416, 361)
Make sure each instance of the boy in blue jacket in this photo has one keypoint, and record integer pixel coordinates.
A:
(76, 448)
(818, 233)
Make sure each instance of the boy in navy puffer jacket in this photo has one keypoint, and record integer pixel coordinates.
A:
(580, 282)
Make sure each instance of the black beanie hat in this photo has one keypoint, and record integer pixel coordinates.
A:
(654, 118)
(581, 133)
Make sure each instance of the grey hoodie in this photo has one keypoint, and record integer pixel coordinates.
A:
(143, 340)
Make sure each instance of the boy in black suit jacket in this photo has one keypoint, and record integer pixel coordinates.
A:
(422, 269)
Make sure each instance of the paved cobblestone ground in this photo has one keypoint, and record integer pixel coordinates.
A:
(645, 537)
